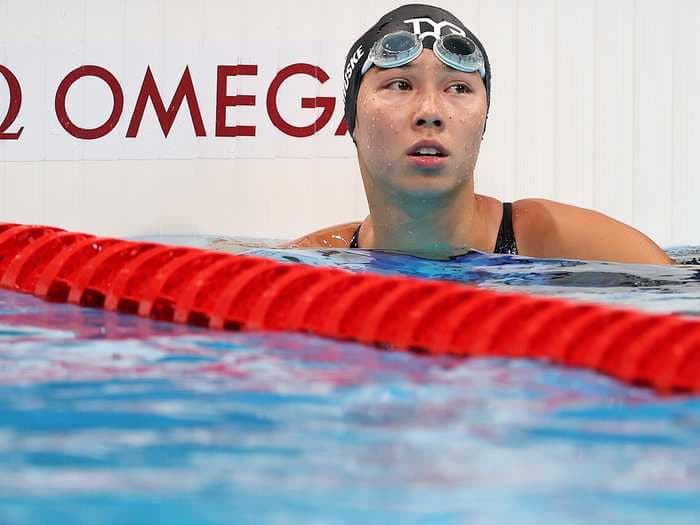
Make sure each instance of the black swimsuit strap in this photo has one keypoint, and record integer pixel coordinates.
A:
(505, 242)
(354, 242)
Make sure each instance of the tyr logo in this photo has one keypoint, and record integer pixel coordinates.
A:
(436, 27)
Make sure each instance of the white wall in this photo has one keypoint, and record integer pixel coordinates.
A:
(594, 103)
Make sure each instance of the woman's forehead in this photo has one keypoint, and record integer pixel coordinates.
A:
(426, 64)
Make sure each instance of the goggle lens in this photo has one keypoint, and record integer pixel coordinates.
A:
(460, 53)
(394, 50)
(458, 45)
(399, 43)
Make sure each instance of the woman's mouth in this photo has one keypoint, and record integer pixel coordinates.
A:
(428, 156)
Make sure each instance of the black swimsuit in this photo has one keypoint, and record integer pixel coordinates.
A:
(505, 242)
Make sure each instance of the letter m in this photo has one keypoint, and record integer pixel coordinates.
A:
(166, 118)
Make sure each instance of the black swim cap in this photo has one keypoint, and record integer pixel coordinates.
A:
(426, 21)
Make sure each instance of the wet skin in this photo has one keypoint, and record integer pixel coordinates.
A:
(423, 100)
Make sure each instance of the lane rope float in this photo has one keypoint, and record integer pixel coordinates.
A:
(220, 290)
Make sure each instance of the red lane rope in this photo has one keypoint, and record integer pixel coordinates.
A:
(219, 290)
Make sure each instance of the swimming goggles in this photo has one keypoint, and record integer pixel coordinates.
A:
(399, 48)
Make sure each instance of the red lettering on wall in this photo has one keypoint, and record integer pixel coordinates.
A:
(224, 101)
(117, 105)
(342, 128)
(327, 103)
(166, 118)
(14, 106)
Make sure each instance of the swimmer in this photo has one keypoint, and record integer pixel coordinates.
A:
(417, 95)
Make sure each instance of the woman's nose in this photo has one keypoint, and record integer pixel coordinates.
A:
(429, 122)
(428, 114)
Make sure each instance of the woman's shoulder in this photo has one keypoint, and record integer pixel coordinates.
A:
(338, 236)
(546, 228)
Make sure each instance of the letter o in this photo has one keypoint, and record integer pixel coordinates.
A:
(117, 106)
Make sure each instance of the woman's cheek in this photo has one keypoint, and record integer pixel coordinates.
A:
(380, 129)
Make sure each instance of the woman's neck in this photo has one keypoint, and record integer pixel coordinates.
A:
(438, 226)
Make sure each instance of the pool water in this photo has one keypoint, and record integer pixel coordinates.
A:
(113, 419)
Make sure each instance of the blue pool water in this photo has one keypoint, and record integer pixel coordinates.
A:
(119, 420)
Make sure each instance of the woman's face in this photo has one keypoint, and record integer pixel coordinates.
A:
(423, 104)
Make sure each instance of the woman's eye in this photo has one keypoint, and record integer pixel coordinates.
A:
(399, 85)
(460, 88)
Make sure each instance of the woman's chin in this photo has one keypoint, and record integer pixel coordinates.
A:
(427, 186)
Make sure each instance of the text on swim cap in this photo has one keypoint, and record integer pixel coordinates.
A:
(354, 59)
(437, 27)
